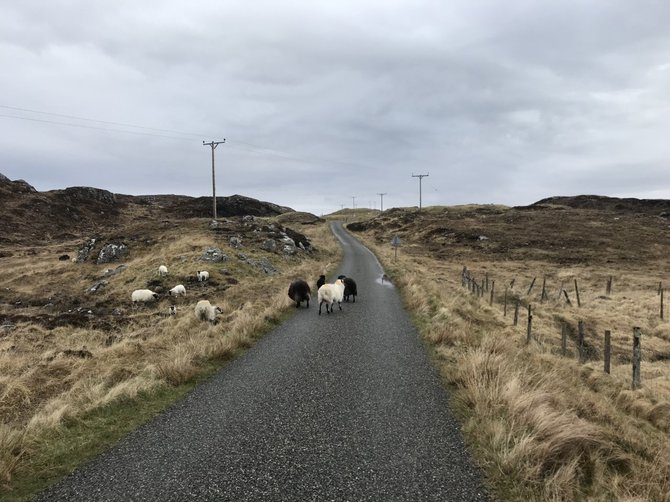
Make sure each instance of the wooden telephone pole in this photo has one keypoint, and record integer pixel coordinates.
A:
(213, 144)
(421, 177)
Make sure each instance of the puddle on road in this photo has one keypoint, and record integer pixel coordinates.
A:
(384, 281)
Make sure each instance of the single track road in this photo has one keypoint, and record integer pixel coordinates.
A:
(344, 407)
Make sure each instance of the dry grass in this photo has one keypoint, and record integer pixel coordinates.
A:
(60, 365)
(544, 426)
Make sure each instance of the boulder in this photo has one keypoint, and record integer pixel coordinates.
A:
(112, 252)
(288, 246)
(85, 251)
(269, 245)
(213, 255)
(235, 242)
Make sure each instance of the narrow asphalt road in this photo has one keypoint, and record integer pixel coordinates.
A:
(342, 407)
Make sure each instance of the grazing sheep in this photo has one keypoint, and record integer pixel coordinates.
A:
(350, 288)
(329, 294)
(298, 291)
(205, 311)
(162, 270)
(179, 289)
(172, 310)
(203, 275)
(320, 281)
(143, 296)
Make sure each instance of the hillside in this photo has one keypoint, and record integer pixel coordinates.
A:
(36, 217)
(578, 230)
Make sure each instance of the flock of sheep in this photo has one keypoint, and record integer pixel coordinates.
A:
(204, 310)
(341, 290)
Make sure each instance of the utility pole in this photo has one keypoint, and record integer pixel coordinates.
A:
(421, 177)
(381, 195)
(213, 144)
(353, 200)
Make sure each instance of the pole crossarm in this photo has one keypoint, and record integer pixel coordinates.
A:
(381, 206)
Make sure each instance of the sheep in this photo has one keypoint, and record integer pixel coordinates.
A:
(205, 311)
(330, 293)
(203, 275)
(350, 288)
(162, 270)
(172, 310)
(298, 291)
(320, 281)
(143, 296)
(179, 289)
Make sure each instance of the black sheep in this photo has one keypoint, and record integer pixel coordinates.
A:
(320, 281)
(299, 291)
(349, 288)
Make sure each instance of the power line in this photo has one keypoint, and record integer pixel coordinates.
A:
(99, 121)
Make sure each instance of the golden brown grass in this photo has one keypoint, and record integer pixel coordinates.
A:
(52, 373)
(544, 426)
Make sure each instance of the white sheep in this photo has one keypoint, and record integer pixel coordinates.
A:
(205, 311)
(162, 270)
(329, 294)
(143, 296)
(179, 289)
(172, 310)
(203, 275)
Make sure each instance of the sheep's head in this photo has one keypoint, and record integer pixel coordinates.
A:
(155, 295)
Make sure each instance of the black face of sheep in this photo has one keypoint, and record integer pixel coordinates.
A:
(350, 288)
(320, 281)
(299, 291)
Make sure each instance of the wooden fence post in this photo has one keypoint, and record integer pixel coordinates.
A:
(564, 339)
(493, 286)
(463, 276)
(567, 298)
(511, 283)
(530, 288)
(560, 292)
(660, 285)
(608, 289)
(505, 304)
(516, 313)
(486, 278)
(661, 303)
(544, 289)
(608, 350)
(530, 325)
(579, 303)
(580, 328)
(481, 291)
(637, 357)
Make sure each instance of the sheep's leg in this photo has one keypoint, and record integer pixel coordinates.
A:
(308, 302)
(320, 304)
(339, 305)
(354, 298)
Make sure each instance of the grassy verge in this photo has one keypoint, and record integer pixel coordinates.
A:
(542, 426)
(68, 392)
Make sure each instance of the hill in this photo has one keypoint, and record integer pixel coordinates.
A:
(35, 217)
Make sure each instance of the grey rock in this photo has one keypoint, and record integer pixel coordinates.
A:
(248, 218)
(266, 266)
(236, 242)
(114, 271)
(269, 245)
(97, 286)
(214, 224)
(85, 251)
(112, 252)
(288, 246)
(214, 255)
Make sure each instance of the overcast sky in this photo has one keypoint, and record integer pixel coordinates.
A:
(500, 101)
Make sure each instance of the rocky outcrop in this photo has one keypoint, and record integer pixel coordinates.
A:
(112, 252)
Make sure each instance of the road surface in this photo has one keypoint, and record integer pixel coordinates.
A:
(341, 407)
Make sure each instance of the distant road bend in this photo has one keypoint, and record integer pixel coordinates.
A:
(341, 407)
